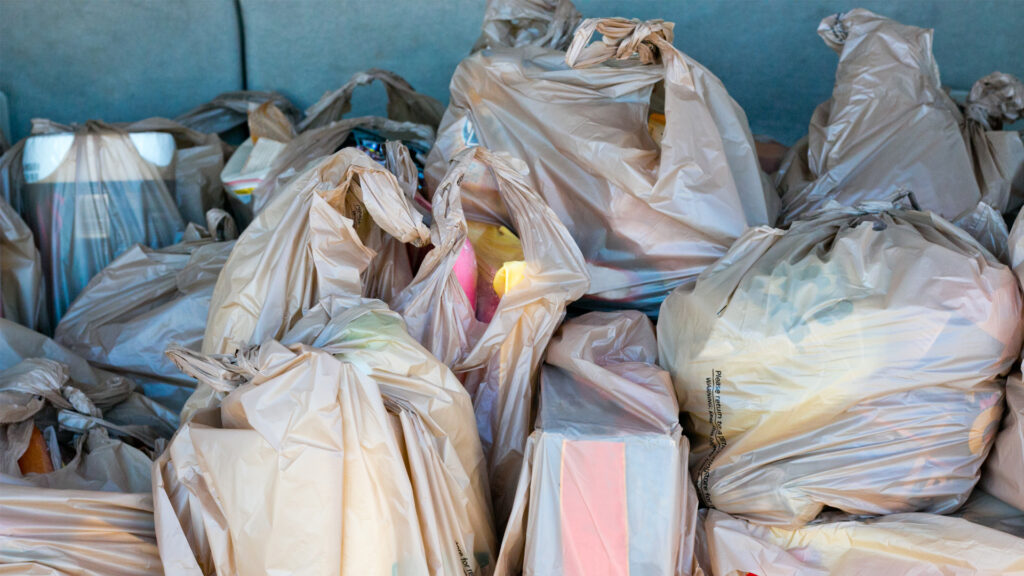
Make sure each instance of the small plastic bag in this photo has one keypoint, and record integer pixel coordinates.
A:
(605, 488)
(231, 109)
(498, 360)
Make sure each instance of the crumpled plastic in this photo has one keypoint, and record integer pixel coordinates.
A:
(327, 234)
(855, 361)
(857, 150)
(350, 451)
(895, 545)
(516, 23)
(604, 488)
(405, 104)
(231, 109)
(22, 296)
(497, 361)
(998, 155)
(648, 217)
(145, 300)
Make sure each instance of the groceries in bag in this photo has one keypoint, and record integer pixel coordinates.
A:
(856, 361)
(604, 488)
(359, 448)
(323, 236)
(525, 279)
(647, 216)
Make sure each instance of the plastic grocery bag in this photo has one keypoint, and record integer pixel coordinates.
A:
(897, 545)
(987, 510)
(404, 103)
(74, 494)
(496, 359)
(855, 361)
(328, 438)
(1003, 475)
(319, 238)
(145, 300)
(516, 23)
(858, 151)
(647, 215)
(22, 297)
(231, 109)
(604, 489)
(997, 155)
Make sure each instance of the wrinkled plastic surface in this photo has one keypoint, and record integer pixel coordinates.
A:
(897, 545)
(647, 217)
(498, 360)
(144, 301)
(998, 155)
(516, 23)
(319, 238)
(231, 109)
(21, 283)
(351, 451)
(1003, 475)
(605, 489)
(858, 150)
(854, 361)
(404, 103)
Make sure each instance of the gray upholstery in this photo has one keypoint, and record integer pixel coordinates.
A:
(115, 60)
(767, 52)
(71, 60)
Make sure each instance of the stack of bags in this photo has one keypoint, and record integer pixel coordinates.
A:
(343, 348)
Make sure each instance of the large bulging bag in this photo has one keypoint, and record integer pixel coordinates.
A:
(497, 358)
(604, 489)
(648, 213)
(1003, 475)
(854, 361)
(353, 453)
(896, 545)
(330, 233)
(144, 301)
(21, 273)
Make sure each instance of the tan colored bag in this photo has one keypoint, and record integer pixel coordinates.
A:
(854, 361)
(145, 300)
(894, 545)
(604, 488)
(356, 456)
(497, 361)
(320, 238)
(647, 216)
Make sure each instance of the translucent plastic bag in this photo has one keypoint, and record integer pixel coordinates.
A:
(998, 155)
(231, 109)
(647, 215)
(496, 359)
(1003, 475)
(858, 151)
(855, 361)
(318, 436)
(22, 296)
(896, 545)
(605, 488)
(320, 238)
(144, 301)
(516, 23)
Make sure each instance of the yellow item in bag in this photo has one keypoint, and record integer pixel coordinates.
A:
(510, 274)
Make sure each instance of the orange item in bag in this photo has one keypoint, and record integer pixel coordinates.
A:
(36, 459)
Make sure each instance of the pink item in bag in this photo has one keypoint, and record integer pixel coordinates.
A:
(595, 527)
(465, 272)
